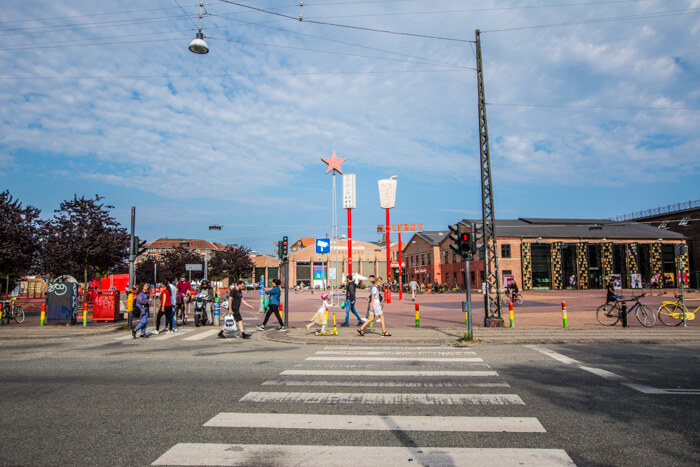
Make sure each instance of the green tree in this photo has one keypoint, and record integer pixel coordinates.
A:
(83, 238)
(233, 263)
(19, 237)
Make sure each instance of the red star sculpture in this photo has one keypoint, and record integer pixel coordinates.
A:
(333, 163)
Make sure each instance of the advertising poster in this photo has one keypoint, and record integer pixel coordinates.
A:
(508, 280)
(668, 280)
(319, 273)
(636, 280)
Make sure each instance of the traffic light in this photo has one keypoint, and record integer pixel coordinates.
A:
(456, 238)
(279, 249)
(285, 247)
(466, 244)
(139, 246)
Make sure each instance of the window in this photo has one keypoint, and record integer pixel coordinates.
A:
(505, 250)
(428, 258)
(422, 260)
(663, 225)
(685, 221)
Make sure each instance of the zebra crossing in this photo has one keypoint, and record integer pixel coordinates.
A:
(434, 370)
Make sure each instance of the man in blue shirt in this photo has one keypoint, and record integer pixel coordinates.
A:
(274, 306)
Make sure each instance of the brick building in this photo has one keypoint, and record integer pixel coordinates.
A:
(552, 254)
(683, 218)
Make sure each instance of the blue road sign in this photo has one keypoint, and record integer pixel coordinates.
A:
(323, 245)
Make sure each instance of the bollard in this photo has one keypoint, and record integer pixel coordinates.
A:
(1, 319)
(417, 315)
(512, 316)
(217, 311)
(43, 314)
(282, 311)
(563, 314)
(85, 314)
(623, 313)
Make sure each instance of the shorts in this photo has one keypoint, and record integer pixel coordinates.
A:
(377, 308)
(236, 315)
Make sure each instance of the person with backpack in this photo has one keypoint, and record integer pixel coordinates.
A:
(376, 300)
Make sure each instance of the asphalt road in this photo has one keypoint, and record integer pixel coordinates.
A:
(105, 401)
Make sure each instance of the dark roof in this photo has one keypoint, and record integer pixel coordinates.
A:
(577, 228)
(434, 237)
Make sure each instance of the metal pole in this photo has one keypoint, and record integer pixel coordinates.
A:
(132, 258)
(388, 256)
(286, 294)
(467, 287)
(400, 271)
(206, 267)
(349, 241)
(680, 276)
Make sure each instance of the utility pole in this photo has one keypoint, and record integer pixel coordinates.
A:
(132, 258)
(492, 305)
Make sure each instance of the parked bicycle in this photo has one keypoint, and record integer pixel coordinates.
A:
(671, 313)
(612, 312)
(11, 310)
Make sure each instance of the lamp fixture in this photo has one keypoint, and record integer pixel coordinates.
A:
(198, 45)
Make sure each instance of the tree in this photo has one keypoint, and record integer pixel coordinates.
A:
(19, 236)
(83, 238)
(174, 261)
(233, 263)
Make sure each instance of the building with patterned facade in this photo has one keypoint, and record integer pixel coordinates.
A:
(552, 254)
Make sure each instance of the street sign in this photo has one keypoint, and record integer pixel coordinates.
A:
(323, 245)
(193, 267)
(349, 191)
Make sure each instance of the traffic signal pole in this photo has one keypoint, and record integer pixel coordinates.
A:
(132, 258)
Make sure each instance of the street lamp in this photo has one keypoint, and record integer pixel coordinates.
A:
(387, 200)
(198, 45)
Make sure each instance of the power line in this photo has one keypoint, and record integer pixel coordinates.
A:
(186, 15)
(660, 14)
(361, 28)
(591, 107)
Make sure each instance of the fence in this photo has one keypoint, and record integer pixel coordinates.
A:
(658, 211)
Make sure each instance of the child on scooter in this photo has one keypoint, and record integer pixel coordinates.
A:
(320, 316)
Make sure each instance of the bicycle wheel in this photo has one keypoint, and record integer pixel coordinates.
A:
(19, 314)
(518, 299)
(180, 316)
(670, 314)
(608, 314)
(645, 316)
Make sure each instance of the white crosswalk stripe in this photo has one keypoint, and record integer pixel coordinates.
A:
(178, 333)
(382, 398)
(434, 369)
(332, 456)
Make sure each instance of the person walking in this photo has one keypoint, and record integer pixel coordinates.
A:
(377, 312)
(173, 302)
(235, 298)
(141, 304)
(183, 294)
(273, 307)
(165, 308)
(206, 289)
(414, 286)
(350, 290)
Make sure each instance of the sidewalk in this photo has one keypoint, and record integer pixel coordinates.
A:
(446, 337)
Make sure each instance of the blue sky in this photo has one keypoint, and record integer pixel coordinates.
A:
(594, 110)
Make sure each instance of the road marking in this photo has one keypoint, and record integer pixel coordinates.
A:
(389, 352)
(123, 338)
(382, 398)
(202, 335)
(556, 356)
(389, 347)
(378, 423)
(610, 376)
(368, 364)
(394, 359)
(386, 373)
(172, 334)
(333, 456)
(382, 384)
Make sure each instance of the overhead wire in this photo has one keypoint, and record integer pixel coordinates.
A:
(591, 107)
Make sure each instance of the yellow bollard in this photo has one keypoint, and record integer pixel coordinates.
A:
(417, 315)
(43, 314)
(563, 314)
(512, 316)
(84, 314)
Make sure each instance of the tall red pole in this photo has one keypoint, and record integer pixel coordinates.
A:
(349, 241)
(400, 271)
(388, 256)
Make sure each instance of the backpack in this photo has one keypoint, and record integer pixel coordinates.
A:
(379, 294)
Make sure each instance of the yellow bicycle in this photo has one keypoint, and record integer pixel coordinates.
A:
(671, 313)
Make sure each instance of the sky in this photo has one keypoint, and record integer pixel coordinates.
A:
(593, 110)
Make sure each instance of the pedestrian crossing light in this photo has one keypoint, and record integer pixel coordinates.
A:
(285, 247)
(456, 238)
(139, 246)
(466, 244)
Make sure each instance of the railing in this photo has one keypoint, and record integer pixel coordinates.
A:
(658, 211)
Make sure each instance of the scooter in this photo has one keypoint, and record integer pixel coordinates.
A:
(200, 309)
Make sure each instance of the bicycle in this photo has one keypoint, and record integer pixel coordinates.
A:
(610, 313)
(10, 310)
(671, 313)
(516, 298)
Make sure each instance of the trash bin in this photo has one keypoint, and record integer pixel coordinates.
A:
(105, 305)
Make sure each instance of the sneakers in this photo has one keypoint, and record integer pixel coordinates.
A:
(260, 327)
(156, 332)
(175, 330)
(344, 325)
(133, 334)
(245, 335)
(282, 329)
(221, 334)
(143, 335)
